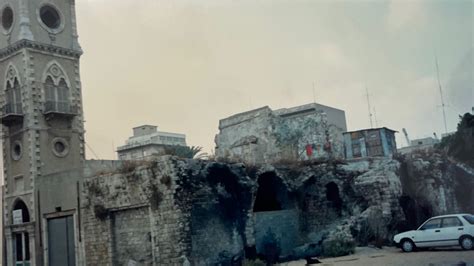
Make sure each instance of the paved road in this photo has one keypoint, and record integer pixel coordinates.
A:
(392, 256)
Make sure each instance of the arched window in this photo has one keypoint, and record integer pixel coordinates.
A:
(13, 97)
(49, 89)
(56, 90)
(20, 208)
(57, 96)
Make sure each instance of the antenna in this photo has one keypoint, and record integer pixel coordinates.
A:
(368, 105)
(375, 118)
(441, 95)
(406, 136)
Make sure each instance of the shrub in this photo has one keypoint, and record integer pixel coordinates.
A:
(339, 246)
(256, 262)
(100, 212)
(128, 166)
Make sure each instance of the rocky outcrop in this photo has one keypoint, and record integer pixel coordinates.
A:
(433, 184)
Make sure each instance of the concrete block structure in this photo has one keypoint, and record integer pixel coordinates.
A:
(373, 142)
(420, 144)
(263, 135)
(147, 141)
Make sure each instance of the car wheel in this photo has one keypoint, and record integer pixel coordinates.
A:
(407, 245)
(466, 243)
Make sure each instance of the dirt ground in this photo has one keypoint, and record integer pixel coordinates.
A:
(366, 256)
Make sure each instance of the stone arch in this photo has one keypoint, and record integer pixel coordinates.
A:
(57, 73)
(13, 97)
(56, 85)
(272, 194)
(11, 75)
(19, 204)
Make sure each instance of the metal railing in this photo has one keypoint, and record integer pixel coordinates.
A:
(12, 109)
(59, 107)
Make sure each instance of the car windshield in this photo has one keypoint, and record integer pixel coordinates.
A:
(469, 218)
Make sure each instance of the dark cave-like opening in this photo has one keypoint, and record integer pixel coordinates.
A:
(332, 195)
(271, 194)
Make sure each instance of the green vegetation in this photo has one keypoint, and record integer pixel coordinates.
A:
(183, 151)
(460, 145)
(339, 246)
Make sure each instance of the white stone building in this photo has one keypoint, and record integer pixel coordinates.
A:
(262, 135)
(419, 144)
(148, 141)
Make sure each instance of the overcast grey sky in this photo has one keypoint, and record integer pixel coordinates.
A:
(183, 65)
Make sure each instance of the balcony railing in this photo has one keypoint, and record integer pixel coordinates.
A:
(59, 107)
(12, 113)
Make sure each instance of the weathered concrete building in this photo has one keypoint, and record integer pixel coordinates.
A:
(373, 142)
(147, 141)
(300, 133)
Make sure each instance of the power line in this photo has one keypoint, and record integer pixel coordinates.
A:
(93, 152)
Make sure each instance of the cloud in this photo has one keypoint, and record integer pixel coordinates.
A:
(403, 13)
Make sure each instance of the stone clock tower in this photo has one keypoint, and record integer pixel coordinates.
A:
(43, 132)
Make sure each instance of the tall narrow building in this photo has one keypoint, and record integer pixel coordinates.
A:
(43, 131)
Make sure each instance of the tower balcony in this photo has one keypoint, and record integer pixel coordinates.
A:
(12, 113)
(59, 109)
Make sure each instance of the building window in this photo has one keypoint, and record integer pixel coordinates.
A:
(57, 96)
(60, 147)
(50, 18)
(7, 19)
(20, 213)
(13, 98)
(17, 150)
(21, 249)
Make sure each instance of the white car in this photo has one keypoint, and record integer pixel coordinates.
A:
(439, 231)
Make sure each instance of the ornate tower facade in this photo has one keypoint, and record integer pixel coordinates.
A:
(43, 132)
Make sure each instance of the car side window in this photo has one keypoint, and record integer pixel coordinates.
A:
(432, 224)
(451, 222)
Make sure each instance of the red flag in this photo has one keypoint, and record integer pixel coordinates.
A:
(309, 150)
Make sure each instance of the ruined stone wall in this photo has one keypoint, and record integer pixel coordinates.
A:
(210, 213)
(110, 215)
(131, 236)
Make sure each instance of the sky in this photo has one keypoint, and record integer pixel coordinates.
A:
(183, 65)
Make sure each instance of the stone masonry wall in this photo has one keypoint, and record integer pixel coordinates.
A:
(207, 213)
(131, 236)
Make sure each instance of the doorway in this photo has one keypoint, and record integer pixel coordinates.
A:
(61, 248)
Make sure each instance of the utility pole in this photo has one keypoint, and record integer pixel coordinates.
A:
(368, 105)
(441, 95)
